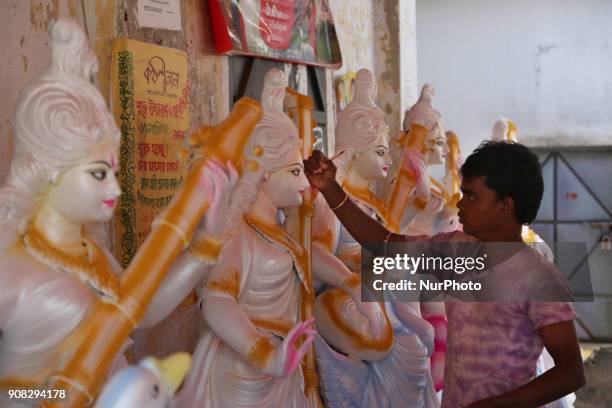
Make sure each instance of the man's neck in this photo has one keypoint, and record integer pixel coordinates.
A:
(509, 234)
(499, 253)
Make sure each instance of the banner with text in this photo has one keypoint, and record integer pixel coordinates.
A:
(287, 30)
(150, 98)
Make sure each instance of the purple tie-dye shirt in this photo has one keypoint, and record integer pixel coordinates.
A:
(493, 348)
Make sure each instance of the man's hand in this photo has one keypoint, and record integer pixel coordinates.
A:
(320, 171)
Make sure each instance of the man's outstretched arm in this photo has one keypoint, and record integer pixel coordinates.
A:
(564, 378)
(321, 173)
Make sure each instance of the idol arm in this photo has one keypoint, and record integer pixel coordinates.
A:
(278, 359)
(184, 275)
(194, 263)
(327, 268)
(233, 326)
(420, 195)
(220, 307)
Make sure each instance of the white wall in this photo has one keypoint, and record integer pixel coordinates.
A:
(546, 64)
(380, 35)
(354, 24)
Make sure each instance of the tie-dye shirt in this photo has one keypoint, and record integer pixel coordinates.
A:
(493, 347)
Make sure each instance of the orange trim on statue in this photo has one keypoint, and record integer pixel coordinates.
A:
(368, 197)
(260, 352)
(230, 283)
(277, 235)
(93, 269)
(329, 300)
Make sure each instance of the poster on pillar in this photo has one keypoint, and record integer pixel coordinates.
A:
(299, 31)
(150, 102)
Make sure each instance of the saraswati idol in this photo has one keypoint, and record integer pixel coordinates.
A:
(381, 360)
(61, 189)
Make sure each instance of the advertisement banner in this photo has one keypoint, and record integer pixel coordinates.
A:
(150, 100)
(299, 31)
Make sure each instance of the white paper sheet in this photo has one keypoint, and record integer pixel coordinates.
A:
(164, 14)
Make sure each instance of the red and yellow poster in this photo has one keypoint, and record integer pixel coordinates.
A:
(288, 30)
(150, 100)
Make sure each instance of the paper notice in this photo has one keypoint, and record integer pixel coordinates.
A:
(164, 14)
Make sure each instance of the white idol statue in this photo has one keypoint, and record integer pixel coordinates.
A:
(247, 355)
(399, 374)
(433, 207)
(424, 212)
(60, 191)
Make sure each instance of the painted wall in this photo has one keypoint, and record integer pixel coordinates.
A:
(546, 64)
(355, 30)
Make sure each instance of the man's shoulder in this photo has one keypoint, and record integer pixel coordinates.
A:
(547, 282)
(539, 265)
(454, 236)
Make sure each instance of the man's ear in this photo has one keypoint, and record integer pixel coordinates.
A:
(508, 205)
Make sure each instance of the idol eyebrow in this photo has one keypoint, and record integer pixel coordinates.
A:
(293, 164)
(102, 162)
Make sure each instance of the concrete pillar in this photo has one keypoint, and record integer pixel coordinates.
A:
(395, 58)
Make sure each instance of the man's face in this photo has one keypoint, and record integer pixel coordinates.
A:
(481, 211)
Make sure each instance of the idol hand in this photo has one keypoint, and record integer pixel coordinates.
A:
(287, 356)
(217, 183)
(416, 165)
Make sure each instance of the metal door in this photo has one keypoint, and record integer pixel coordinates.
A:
(577, 207)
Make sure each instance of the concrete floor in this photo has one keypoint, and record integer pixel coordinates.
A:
(597, 393)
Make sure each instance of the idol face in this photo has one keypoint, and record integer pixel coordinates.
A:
(88, 192)
(435, 146)
(373, 164)
(285, 187)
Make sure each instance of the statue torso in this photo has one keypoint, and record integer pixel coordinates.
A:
(40, 307)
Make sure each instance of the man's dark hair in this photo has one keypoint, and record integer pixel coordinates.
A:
(511, 170)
